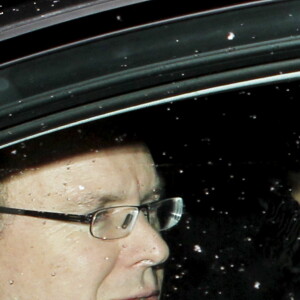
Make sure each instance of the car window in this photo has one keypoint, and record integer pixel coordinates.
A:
(234, 158)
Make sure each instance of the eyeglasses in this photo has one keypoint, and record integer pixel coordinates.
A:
(117, 221)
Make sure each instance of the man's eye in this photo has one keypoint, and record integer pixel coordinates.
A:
(102, 216)
(155, 197)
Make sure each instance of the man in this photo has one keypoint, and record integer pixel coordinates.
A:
(85, 250)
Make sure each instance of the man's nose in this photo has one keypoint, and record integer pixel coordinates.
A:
(147, 244)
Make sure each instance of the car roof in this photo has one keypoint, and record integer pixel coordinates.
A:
(19, 17)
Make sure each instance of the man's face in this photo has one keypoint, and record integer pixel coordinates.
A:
(44, 259)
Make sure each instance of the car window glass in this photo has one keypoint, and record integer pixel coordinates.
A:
(234, 159)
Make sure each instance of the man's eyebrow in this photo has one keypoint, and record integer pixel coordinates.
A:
(108, 199)
(98, 201)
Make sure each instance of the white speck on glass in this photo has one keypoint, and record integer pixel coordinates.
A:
(230, 36)
(197, 248)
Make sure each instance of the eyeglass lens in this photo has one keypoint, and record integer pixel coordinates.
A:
(165, 214)
(114, 223)
(118, 222)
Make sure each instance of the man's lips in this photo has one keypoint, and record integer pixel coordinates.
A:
(147, 296)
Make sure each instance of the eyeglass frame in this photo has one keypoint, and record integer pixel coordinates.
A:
(84, 219)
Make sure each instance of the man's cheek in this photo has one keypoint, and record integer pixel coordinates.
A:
(77, 252)
(160, 277)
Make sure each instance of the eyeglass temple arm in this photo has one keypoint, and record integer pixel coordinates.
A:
(47, 215)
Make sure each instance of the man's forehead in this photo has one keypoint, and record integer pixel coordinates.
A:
(103, 198)
(135, 153)
(94, 178)
(69, 142)
(105, 165)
